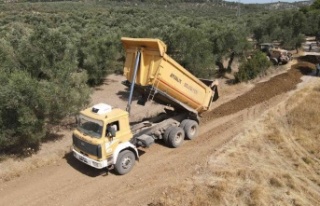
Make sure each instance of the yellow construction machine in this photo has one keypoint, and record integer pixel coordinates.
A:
(105, 138)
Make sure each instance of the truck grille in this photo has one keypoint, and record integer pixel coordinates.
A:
(87, 147)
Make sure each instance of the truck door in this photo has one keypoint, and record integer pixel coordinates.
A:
(112, 129)
(112, 136)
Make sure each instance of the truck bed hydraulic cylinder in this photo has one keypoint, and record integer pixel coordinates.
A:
(136, 66)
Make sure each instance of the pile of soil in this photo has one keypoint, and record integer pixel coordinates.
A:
(261, 92)
(309, 58)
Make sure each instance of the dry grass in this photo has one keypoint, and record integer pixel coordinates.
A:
(49, 154)
(15, 167)
(304, 122)
(274, 162)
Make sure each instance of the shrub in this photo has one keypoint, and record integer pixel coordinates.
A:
(255, 66)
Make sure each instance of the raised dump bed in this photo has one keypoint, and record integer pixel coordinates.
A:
(162, 79)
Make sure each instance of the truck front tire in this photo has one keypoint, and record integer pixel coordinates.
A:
(125, 162)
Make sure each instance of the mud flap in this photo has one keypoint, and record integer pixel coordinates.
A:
(142, 100)
(216, 93)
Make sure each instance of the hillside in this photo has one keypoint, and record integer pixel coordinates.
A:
(274, 161)
(67, 48)
(256, 154)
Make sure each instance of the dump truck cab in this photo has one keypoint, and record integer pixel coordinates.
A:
(102, 134)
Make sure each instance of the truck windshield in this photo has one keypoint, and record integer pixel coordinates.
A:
(90, 127)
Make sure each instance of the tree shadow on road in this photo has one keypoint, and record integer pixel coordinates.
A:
(83, 168)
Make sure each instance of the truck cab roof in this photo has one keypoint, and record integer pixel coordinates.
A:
(103, 111)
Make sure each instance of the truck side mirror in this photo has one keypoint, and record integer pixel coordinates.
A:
(112, 131)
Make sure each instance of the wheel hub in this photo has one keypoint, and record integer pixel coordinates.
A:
(126, 163)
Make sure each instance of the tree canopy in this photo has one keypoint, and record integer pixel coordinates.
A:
(52, 53)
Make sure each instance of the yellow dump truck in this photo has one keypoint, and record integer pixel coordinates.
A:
(105, 138)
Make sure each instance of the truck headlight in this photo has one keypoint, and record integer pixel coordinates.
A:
(96, 164)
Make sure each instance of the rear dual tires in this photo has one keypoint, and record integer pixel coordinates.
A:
(166, 135)
(191, 128)
(174, 136)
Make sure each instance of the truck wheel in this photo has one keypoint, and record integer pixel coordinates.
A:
(274, 61)
(183, 123)
(191, 129)
(176, 137)
(166, 134)
(125, 162)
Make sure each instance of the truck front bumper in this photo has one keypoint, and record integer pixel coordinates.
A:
(89, 161)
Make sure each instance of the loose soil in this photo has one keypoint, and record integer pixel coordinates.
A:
(69, 182)
(261, 92)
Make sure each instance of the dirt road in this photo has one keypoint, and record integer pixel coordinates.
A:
(69, 182)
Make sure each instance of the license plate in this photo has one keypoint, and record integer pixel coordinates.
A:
(83, 159)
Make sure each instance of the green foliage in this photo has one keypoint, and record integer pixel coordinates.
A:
(40, 83)
(229, 41)
(50, 52)
(286, 27)
(315, 5)
(28, 106)
(192, 49)
(98, 57)
(19, 110)
(313, 23)
(8, 62)
(252, 68)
